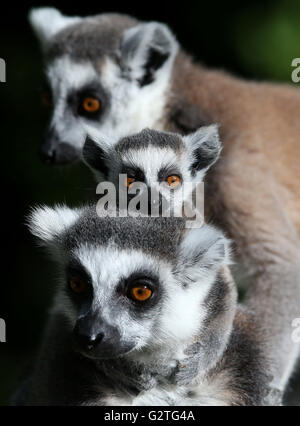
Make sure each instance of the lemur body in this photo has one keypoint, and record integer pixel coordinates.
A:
(108, 344)
(166, 164)
(140, 78)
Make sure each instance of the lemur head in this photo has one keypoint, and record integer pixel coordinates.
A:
(132, 285)
(165, 162)
(110, 71)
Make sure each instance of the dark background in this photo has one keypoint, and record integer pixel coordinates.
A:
(253, 39)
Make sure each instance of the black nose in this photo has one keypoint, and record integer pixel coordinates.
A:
(88, 342)
(48, 157)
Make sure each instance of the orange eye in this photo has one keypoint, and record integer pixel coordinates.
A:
(91, 105)
(173, 181)
(77, 285)
(129, 182)
(47, 99)
(141, 293)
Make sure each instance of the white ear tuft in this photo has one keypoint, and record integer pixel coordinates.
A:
(47, 223)
(47, 21)
(147, 48)
(204, 147)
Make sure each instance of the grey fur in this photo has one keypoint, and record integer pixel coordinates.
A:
(220, 365)
(150, 137)
(156, 236)
(90, 39)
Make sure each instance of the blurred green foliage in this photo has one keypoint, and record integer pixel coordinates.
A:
(268, 40)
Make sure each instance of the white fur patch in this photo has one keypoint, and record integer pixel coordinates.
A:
(183, 312)
(46, 223)
(211, 239)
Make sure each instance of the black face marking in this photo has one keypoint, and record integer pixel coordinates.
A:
(149, 137)
(95, 157)
(133, 172)
(166, 171)
(92, 90)
(157, 48)
(216, 299)
(94, 336)
(155, 60)
(146, 278)
(76, 269)
(48, 149)
(205, 156)
(157, 236)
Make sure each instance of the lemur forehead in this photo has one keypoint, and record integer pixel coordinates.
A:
(91, 38)
(156, 236)
(149, 137)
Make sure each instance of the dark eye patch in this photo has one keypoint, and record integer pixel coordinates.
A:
(140, 277)
(76, 269)
(169, 170)
(75, 266)
(92, 90)
(133, 172)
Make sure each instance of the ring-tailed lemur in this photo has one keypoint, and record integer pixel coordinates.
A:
(166, 163)
(144, 314)
(122, 75)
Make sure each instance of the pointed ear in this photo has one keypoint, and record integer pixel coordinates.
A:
(203, 251)
(204, 147)
(96, 154)
(146, 49)
(48, 223)
(47, 21)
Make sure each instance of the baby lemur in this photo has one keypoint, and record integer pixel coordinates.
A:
(144, 314)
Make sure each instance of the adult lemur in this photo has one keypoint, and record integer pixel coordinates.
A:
(144, 314)
(121, 75)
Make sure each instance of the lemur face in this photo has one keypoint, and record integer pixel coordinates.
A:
(167, 163)
(107, 71)
(130, 285)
